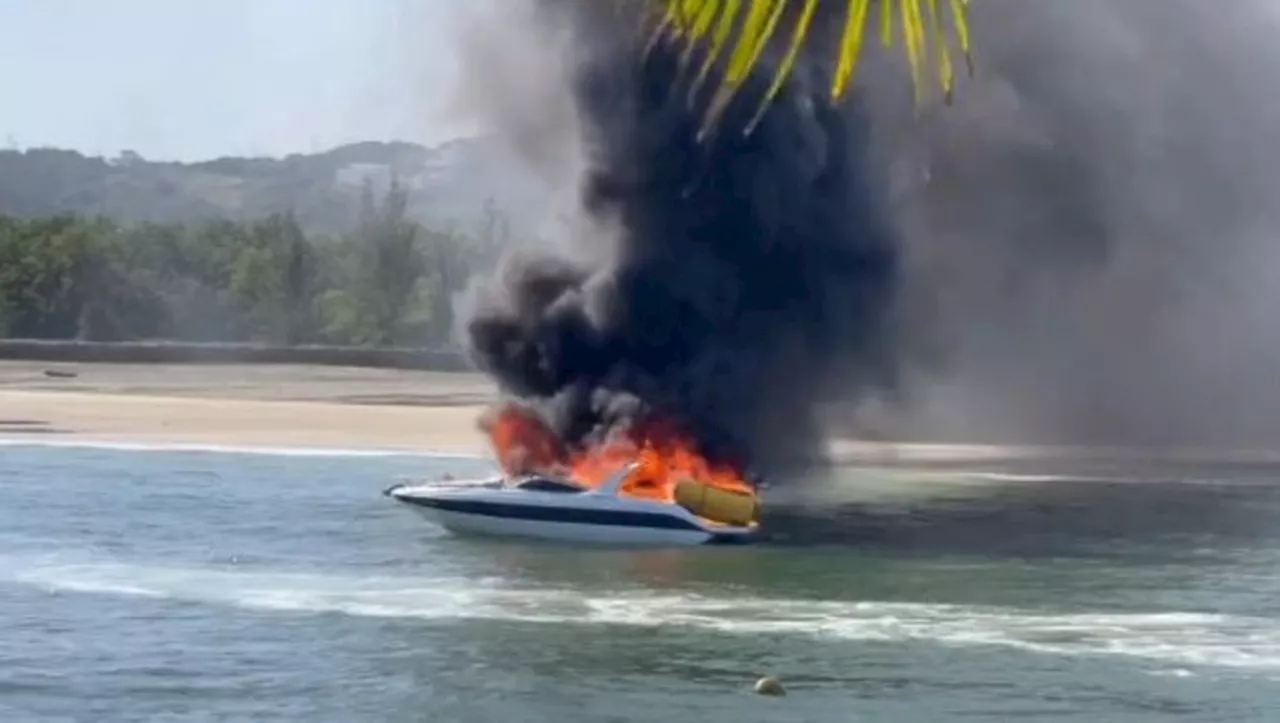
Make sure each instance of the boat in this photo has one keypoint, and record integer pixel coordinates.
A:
(549, 508)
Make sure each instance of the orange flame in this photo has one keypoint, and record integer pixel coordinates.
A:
(525, 445)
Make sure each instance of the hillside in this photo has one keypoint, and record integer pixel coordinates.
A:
(447, 184)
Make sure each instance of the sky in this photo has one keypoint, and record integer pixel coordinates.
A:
(197, 79)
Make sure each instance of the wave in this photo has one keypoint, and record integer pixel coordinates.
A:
(1182, 639)
(133, 446)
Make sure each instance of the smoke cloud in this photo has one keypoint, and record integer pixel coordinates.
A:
(1080, 250)
(1090, 232)
(719, 288)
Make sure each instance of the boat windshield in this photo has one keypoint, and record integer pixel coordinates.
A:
(544, 484)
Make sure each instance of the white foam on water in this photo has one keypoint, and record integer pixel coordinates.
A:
(1172, 673)
(1041, 478)
(1038, 479)
(1177, 641)
(105, 587)
(134, 446)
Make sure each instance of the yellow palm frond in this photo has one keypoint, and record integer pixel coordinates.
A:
(742, 29)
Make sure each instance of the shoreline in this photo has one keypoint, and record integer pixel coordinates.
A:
(38, 417)
(330, 410)
(127, 445)
(261, 406)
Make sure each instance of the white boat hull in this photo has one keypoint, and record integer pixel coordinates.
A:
(599, 516)
(482, 525)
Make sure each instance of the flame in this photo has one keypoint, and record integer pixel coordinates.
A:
(525, 445)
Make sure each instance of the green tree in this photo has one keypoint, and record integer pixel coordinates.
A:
(382, 269)
(42, 261)
(391, 281)
(274, 281)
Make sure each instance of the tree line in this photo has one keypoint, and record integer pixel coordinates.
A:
(390, 281)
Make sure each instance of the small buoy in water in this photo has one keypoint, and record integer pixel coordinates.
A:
(770, 685)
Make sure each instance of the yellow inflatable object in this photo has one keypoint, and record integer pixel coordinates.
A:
(715, 504)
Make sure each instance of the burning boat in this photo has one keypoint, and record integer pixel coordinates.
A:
(552, 508)
(652, 492)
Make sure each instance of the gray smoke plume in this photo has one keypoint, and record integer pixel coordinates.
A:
(1080, 250)
(723, 287)
(1089, 235)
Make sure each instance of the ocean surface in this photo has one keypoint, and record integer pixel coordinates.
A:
(187, 585)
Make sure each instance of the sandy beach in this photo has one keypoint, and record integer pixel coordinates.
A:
(243, 405)
(248, 405)
(260, 405)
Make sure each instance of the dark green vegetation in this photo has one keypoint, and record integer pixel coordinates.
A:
(449, 184)
(388, 280)
(366, 244)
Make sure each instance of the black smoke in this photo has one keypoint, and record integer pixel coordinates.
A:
(1089, 234)
(729, 285)
(1083, 248)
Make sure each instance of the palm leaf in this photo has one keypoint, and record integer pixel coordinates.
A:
(743, 28)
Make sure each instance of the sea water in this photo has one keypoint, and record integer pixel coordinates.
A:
(143, 584)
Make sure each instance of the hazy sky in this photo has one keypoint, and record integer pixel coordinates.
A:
(190, 79)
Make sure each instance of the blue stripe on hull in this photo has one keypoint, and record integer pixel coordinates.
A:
(720, 538)
(619, 518)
